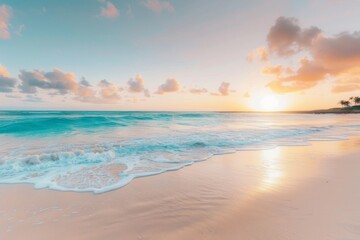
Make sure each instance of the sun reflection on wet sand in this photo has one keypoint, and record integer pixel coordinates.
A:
(273, 171)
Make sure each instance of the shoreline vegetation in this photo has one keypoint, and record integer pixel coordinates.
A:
(344, 110)
(352, 105)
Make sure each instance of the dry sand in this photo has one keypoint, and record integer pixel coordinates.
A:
(287, 193)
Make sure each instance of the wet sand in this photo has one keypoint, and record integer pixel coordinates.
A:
(308, 192)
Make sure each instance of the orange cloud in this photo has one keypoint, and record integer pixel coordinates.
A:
(307, 76)
(85, 92)
(273, 71)
(7, 83)
(106, 93)
(109, 92)
(258, 54)
(4, 72)
(345, 88)
(333, 56)
(348, 82)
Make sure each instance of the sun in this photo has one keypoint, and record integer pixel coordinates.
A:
(268, 103)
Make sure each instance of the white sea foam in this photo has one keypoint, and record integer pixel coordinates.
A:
(108, 157)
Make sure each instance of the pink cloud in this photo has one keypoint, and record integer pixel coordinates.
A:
(136, 85)
(286, 37)
(109, 11)
(224, 88)
(5, 15)
(63, 83)
(170, 86)
(329, 57)
(198, 90)
(158, 5)
(260, 54)
(109, 92)
(57, 80)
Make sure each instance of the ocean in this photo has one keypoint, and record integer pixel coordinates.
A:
(88, 151)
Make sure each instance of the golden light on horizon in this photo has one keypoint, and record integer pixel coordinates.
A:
(269, 103)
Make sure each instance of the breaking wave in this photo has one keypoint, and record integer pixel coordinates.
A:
(103, 151)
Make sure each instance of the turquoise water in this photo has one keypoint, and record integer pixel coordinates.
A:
(102, 151)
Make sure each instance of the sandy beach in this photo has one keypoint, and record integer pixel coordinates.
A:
(177, 120)
(307, 192)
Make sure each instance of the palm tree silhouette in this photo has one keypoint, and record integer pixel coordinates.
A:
(345, 103)
(356, 100)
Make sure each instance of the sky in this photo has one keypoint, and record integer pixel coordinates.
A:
(178, 55)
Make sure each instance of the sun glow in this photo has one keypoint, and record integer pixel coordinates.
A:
(269, 103)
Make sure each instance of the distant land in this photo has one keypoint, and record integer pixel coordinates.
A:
(352, 109)
(341, 110)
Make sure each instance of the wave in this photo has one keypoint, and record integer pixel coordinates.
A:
(55, 125)
(104, 162)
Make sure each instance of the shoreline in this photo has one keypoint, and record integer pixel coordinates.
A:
(248, 194)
